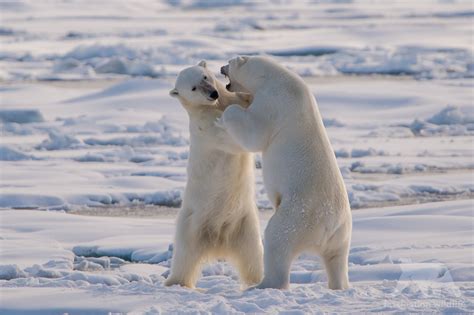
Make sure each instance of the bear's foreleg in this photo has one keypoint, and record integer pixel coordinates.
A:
(247, 128)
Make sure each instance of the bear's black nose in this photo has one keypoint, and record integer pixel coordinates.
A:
(225, 70)
(214, 95)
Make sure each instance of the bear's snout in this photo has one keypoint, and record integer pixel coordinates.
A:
(214, 95)
(225, 70)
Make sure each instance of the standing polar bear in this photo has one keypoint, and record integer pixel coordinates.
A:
(300, 171)
(219, 216)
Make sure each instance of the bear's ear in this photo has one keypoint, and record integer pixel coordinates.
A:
(241, 60)
(174, 93)
(202, 63)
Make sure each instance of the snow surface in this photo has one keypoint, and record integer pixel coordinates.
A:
(429, 39)
(403, 259)
(87, 126)
(123, 140)
(128, 143)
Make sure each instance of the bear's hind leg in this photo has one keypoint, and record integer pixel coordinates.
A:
(280, 250)
(336, 264)
(247, 252)
(185, 268)
(187, 258)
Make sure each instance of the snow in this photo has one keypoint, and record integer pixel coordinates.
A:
(9, 272)
(419, 255)
(9, 154)
(58, 141)
(87, 126)
(357, 153)
(30, 201)
(20, 116)
(451, 115)
(347, 38)
(128, 142)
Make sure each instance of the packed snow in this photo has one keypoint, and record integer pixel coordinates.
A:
(128, 143)
(403, 259)
(88, 128)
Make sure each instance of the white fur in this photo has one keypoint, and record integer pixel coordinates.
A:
(300, 172)
(219, 217)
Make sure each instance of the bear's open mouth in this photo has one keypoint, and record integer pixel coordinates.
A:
(225, 72)
(228, 85)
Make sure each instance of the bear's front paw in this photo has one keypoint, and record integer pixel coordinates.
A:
(231, 115)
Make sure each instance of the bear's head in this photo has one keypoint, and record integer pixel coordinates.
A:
(196, 86)
(246, 74)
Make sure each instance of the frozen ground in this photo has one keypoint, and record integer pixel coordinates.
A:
(403, 259)
(128, 142)
(88, 127)
(99, 127)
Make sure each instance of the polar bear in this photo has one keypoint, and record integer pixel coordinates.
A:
(219, 217)
(300, 172)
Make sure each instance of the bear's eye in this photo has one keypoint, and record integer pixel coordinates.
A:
(193, 89)
(205, 77)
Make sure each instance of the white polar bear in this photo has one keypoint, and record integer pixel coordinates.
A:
(219, 217)
(300, 171)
